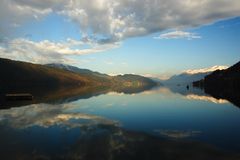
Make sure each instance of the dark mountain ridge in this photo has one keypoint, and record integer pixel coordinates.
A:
(19, 74)
(85, 72)
(116, 82)
(223, 84)
(63, 81)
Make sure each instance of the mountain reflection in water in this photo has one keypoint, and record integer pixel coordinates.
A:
(153, 124)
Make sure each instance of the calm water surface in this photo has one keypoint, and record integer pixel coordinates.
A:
(109, 124)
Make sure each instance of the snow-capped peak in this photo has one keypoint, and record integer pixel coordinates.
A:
(205, 70)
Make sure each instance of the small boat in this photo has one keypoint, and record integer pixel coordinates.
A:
(19, 96)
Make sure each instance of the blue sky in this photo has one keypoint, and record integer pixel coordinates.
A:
(197, 44)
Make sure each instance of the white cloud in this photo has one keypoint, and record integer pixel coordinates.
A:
(115, 74)
(13, 13)
(47, 115)
(205, 70)
(162, 76)
(115, 20)
(178, 134)
(109, 21)
(178, 35)
(121, 19)
(47, 51)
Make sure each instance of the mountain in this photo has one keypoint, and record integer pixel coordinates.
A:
(223, 84)
(185, 78)
(77, 70)
(190, 76)
(130, 83)
(229, 78)
(17, 76)
(119, 83)
(205, 70)
(85, 72)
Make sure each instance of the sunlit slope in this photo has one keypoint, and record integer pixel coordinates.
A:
(116, 82)
(23, 76)
(16, 73)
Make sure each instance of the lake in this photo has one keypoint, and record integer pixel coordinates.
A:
(164, 122)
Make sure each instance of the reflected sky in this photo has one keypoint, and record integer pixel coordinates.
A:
(48, 115)
(206, 98)
(162, 109)
(159, 112)
(178, 134)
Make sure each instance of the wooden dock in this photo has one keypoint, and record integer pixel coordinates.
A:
(19, 96)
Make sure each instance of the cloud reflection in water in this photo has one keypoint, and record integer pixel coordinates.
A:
(206, 98)
(178, 134)
(46, 115)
